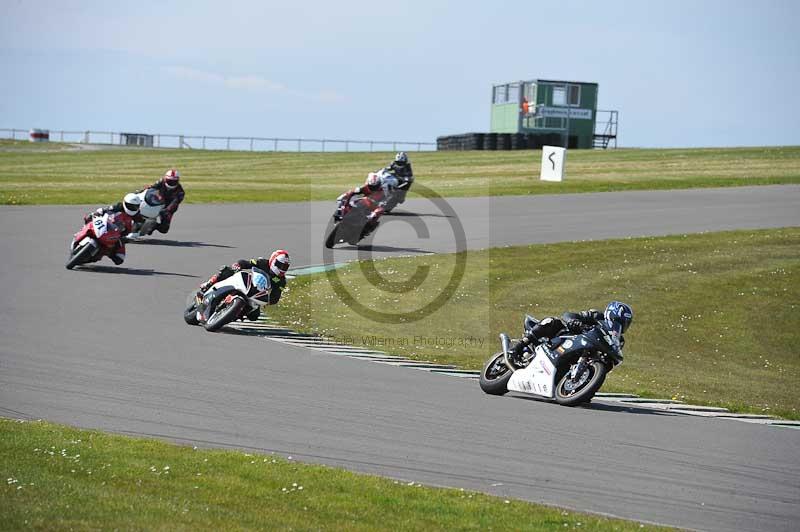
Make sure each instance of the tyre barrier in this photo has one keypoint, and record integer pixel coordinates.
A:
(497, 141)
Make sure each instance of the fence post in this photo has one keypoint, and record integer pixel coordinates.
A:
(204, 143)
(370, 145)
(180, 142)
(251, 144)
(13, 134)
(62, 135)
(347, 145)
(299, 141)
(276, 145)
(394, 146)
(323, 145)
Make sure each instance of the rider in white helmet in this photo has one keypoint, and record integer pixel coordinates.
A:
(126, 213)
(401, 166)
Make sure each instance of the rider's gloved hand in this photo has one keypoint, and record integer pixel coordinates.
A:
(575, 325)
(592, 314)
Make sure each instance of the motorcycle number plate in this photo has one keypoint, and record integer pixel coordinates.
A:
(100, 225)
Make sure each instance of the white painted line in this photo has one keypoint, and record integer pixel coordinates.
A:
(316, 343)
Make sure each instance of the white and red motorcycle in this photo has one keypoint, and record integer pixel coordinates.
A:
(229, 299)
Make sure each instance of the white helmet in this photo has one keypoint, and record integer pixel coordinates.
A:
(131, 203)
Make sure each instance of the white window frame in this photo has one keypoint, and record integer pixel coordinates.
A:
(559, 88)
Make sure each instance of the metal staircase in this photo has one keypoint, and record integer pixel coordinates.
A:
(605, 129)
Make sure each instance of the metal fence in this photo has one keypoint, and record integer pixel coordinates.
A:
(204, 142)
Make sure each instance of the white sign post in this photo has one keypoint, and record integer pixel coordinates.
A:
(553, 161)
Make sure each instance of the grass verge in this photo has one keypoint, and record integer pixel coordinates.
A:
(61, 174)
(716, 314)
(58, 477)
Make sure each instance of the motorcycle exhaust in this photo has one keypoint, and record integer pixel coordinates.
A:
(506, 348)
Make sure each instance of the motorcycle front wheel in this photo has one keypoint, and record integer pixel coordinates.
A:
(570, 392)
(330, 241)
(495, 375)
(224, 314)
(80, 256)
(190, 314)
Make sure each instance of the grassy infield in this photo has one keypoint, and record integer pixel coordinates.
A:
(694, 297)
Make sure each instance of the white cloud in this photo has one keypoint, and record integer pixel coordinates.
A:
(329, 96)
(248, 82)
(256, 83)
(191, 74)
(251, 83)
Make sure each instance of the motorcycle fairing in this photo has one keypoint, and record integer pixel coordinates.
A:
(537, 378)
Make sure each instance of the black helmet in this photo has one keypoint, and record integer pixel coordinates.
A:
(618, 316)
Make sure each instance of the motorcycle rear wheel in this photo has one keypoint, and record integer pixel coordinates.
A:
(586, 387)
(80, 257)
(221, 317)
(495, 375)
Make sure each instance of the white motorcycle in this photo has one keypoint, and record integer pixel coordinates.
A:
(569, 369)
(152, 203)
(229, 299)
(398, 187)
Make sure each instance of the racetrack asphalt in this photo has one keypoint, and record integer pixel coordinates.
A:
(106, 348)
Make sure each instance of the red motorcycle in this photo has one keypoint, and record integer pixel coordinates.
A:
(352, 222)
(97, 238)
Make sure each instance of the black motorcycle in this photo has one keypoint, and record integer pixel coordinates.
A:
(569, 369)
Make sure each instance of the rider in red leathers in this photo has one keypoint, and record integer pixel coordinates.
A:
(373, 189)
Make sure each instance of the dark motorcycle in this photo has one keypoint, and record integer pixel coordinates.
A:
(351, 221)
(569, 369)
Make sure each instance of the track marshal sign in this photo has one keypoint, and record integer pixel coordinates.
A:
(553, 160)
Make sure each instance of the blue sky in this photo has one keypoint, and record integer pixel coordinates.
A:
(681, 73)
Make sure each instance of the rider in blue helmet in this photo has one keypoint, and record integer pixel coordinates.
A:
(617, 318)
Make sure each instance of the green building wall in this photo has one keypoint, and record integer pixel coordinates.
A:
(507, 117)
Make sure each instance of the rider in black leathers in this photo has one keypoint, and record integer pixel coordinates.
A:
(574, 323)
(276, 266)
(401, 166)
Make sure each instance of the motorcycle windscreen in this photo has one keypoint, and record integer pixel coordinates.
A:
(260, 287)
(153, 197)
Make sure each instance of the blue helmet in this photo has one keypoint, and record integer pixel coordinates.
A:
(618, 316)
